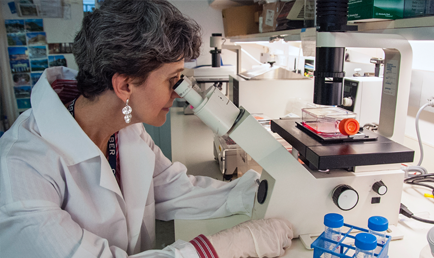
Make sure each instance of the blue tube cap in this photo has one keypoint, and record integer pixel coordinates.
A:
(333, 220)
(378, 223)
(366, 241)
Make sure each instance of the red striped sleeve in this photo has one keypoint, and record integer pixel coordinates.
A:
(204, 247)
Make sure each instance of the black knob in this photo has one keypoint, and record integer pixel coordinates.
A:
(345, 197)
(380, 188)
(262, 191)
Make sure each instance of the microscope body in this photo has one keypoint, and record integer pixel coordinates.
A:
(292, 190)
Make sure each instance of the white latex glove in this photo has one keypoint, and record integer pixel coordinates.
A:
(254, 238)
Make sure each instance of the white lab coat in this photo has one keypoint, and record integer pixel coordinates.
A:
(59, 198)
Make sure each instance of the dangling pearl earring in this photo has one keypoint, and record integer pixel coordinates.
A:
(127, 112)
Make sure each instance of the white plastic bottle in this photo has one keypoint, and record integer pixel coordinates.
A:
(378, 226)
(333, 223)
(428, 250)
(365, 245)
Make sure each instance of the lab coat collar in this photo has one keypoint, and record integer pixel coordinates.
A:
(55, 123)
(59, 128)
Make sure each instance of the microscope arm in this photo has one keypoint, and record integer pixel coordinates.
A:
(223, 117)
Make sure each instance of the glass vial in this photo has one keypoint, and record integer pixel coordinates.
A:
(378, 226)
(333, 223)
(365, 245)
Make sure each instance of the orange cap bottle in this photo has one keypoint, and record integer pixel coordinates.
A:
(349, 126)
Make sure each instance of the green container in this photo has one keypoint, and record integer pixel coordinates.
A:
(414, 8)
(371, 10)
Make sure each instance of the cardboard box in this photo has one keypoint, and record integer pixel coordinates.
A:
(269, 15)
(296, 14)
(371, 10)
(240, 20)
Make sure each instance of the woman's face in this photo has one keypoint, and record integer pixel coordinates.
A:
(151, 100)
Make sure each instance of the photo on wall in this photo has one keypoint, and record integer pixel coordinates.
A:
(20, 66)
(59, 48)
(35, 77)
(57, 60)
(21, 79)
(17, 39)
(22, 92)
(19, 60)
(24, 103)
(37, 38)
(37, 52)
(39, 65)
(14, 26)
(32, 25)
(27, 8)
(18, 53)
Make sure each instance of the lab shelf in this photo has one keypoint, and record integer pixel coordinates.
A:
(421, 28)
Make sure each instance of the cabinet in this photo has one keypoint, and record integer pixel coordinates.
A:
(162, 136)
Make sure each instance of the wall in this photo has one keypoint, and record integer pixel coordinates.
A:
(208, 18)
(422, 88)
(58, 30)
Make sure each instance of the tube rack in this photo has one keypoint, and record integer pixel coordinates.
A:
(345, 248)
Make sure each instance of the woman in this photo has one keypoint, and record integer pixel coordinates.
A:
(79, 175)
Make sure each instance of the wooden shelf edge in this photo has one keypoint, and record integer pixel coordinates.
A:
(387, 26)
(223, 4)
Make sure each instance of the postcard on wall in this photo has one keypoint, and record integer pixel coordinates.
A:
(57, 60)
(37, 52)
(17, 39)
(24, 103)
(50, 8)
(12, 7)
(20, 66)
(14, 26)
(39, 65)
(19, 59)
(35, 77)
(59, 48)
(22, 79)
(26, 8)
(37, 38)
(33, 25)
(18, 53)
(22, 92)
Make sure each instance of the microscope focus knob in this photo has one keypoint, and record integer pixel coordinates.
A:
(380, 188)
(345, 197)
(347, 102)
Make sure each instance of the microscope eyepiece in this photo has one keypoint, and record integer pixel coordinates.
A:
(178, 82)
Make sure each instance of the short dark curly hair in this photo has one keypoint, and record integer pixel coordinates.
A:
(133, 38)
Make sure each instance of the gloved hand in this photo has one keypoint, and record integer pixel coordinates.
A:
(254, 238)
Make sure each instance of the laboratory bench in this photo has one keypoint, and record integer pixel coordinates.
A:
(192, 145)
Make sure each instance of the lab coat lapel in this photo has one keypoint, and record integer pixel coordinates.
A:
(107, 179)
(137, 162)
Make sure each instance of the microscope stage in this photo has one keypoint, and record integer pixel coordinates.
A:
(346, 155)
